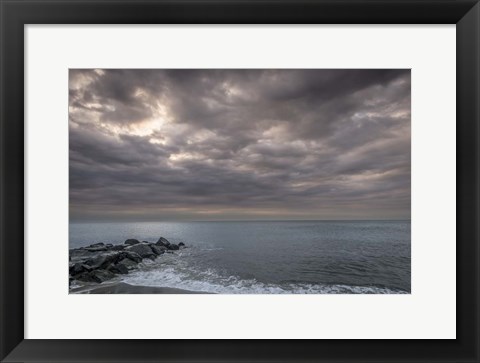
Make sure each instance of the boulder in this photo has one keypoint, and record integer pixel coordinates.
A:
(158, 250)
(118, 247)
(132, 241)
(127, 263)
(101, 261)
(79, 268)
(81, 254)
(97, 262)
(135, 257)
(96, 249)
(97, 244)
(163, 242)
(118, 268)
(142, 249)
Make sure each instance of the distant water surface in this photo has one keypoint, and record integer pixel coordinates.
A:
(268, 257)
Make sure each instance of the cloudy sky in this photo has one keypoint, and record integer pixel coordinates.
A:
(150, 145)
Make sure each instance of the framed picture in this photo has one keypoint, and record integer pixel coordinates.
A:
(239, 181)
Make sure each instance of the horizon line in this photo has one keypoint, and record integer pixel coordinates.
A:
(241, 220)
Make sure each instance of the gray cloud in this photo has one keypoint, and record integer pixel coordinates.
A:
(239, 144)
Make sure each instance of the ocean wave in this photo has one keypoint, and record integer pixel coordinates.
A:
(211, 281)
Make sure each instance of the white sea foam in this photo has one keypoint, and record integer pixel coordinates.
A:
(212, 282)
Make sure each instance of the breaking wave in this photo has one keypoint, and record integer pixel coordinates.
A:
(182, 276)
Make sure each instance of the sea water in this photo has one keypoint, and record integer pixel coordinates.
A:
(268, 256)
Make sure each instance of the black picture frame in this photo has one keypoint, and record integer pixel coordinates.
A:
(15, 14)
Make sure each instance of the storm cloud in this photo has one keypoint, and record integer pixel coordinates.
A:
(239, 144)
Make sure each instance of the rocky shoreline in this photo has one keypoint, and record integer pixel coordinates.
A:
(101, 262)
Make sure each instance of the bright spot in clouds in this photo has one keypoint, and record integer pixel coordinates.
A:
(239, 144)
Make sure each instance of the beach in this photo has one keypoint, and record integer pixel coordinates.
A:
(123, 288)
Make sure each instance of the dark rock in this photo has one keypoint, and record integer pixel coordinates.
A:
(96, 249)
(127, 263)
(101, 261)
(131, 256)
(102, 275)
(163, 242)
(97, 262)
(118, 247)
(132, 241)
(81, 254)
(97, 244)
(142, 249)
(158, 250)
(79, 268)
(118, 269)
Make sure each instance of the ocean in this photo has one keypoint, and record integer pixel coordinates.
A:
(268, 257)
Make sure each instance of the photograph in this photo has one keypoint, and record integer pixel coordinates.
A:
(239, 181)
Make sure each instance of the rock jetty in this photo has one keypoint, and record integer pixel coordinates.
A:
(100, 262)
